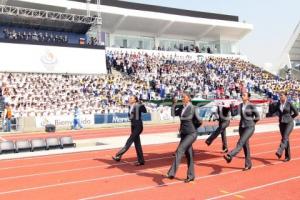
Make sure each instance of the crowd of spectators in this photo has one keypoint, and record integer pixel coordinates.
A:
(154, 76)
(58, 94)
(215, 77)
(35, 36)
(191, 48)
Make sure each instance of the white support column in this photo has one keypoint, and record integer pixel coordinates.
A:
(99, 23)
(206, 32)
(156, 42)
(111, 39)
(118, 24)
(88, 11)
(165, 28)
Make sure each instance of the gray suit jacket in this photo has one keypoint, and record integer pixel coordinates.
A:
(189, 121)
(249, 116)
(135, 115)
(287, 115)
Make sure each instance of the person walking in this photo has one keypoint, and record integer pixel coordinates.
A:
(135, 116)
(249, 117)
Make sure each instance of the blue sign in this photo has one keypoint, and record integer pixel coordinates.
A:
(118, 118)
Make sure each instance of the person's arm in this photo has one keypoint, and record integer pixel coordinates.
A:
(213, 115)
(234, 110)
(197, 121)
(272, 109)
(177, 110)
(255, 114)
(294, 110)
(142, 108)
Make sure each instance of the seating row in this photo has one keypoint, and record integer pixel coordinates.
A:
(36, 144)
(206, 130)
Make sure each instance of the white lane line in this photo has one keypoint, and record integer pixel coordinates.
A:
(255, 188)
(3, 139)
(118, 164)
(174, 183)
(85, 159)
(130, 174)
(77, 160)
(255, 138)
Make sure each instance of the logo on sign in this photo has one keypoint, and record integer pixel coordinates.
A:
(49, 60)
(117, 119)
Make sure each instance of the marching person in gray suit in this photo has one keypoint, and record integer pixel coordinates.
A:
(249, 117)
(222, 115)
(287, 112)
(188, 134)
(135, 116)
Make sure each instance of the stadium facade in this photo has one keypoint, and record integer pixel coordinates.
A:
(290, 58)
(141, 26)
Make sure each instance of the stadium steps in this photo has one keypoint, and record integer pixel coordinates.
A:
(115, 72)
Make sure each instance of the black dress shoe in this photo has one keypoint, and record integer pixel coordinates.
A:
(228, 158)
(116, 158)
(247, 168)
(287, 159)
(139, 163)
(207, 142)
(225, 150)
(169, 176)
(278, 155)
(189, 180)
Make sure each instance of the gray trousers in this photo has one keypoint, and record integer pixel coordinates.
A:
(220, 130)
(136, 130)
(285, 131)
(245, 134)
(184, 147)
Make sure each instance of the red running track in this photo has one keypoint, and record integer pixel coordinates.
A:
(93, 175)
(109, 132)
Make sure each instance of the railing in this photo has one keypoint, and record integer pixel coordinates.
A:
(44, 14)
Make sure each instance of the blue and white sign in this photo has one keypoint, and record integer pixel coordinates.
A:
(117, 118)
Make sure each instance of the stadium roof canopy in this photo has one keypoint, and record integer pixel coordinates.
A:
(294, 50)
(291, 54)
(120, 17)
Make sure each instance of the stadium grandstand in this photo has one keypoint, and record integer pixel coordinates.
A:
(54, 58)
(74, 67)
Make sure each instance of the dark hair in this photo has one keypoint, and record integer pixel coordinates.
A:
(135, 98)
(283, 93)
(248, 93)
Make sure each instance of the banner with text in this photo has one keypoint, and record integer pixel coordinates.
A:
(63, 121)
(117, 118)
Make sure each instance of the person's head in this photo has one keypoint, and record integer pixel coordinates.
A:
(246, 96)
(133, 99)
(186, 98)
(283, 96)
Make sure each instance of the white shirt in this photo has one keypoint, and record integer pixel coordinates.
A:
(282, 105)
(244, 107)
(131, 108)
(184, 108)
